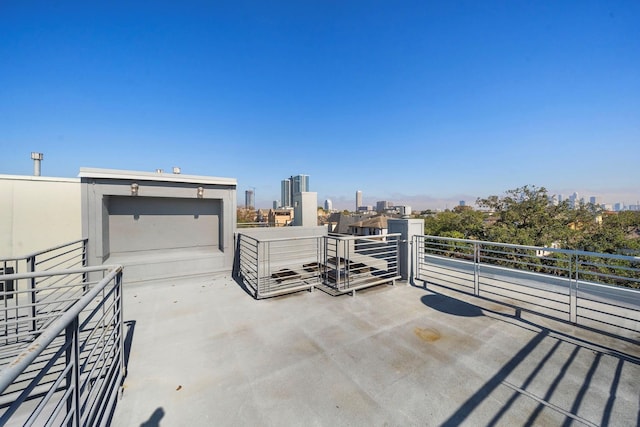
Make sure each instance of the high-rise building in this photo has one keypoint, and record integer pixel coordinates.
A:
(574, 201)
(276, 204)
(593, 200)
(293, 185)
(249, 201)
(285, 192)
(300, 184)
(383, 205)
(358, 199)
(328, 205)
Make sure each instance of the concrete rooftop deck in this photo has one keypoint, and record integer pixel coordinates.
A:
(203, 352)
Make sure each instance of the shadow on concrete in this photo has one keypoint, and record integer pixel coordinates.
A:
(243, 286)
(478, 397)
(154, 419)
(235, 273)
(519, 309)
(451, 305)
(128, 341)
(448, 305)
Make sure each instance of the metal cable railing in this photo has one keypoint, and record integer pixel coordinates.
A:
(70, 371)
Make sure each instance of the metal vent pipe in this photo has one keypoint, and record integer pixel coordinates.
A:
(37, 159)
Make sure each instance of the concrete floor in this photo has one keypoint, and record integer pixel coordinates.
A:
(203, 352)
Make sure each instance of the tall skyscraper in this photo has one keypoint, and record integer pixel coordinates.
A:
(358, 199)
(249, 201)
(300, 184)
(285, 192)
(328, 205)
(593, 200)
(574, 202)
(293, 185)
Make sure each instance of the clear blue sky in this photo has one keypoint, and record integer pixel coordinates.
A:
(420, 102)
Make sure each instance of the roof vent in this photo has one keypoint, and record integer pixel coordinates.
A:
(37, 159)
(176, 170)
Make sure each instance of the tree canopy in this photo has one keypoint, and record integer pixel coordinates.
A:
(529, 215)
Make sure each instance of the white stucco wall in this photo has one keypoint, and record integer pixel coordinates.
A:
(37, 213)
(305, 209)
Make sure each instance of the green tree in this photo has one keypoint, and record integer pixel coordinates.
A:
(459, 223)
(525, 216)
(615, 234)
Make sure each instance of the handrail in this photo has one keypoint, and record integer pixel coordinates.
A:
(590, 288)
(40, 252)
(369, 237)
(15, 276)
(280, 239)
(547, 249)
(24, 359)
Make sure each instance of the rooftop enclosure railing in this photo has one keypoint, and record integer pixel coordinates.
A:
(254, 224)
(342, 263)
(356, 262)
(70, 370)
(586, 288)
(275, 266)
(37, 289)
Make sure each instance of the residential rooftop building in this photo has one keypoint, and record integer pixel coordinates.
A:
(207, 324)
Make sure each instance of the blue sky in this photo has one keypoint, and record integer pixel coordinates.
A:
(417, 102)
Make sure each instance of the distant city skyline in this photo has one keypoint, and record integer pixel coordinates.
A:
(421, 103)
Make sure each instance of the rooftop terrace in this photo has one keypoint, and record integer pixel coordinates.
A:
(314, 329)
(203, 352)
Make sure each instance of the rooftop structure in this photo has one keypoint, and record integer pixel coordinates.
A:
(441, 331)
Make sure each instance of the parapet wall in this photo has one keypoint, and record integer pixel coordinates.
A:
(37, 213)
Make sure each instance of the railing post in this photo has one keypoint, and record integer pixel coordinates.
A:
(257, 269)
(422, 258)
(338, 263)
(72, 356)
(476, 269)
(85, 275)
(31, 268)
(267, 263)
(120, 305)
(573, 289)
